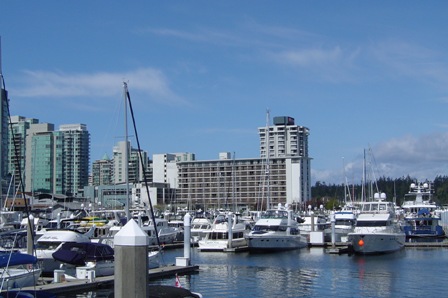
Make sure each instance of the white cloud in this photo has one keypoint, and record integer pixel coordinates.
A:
(47, 84)
(421, 157)
(411, 60)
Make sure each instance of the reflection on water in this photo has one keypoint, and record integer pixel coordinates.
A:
(313, 273)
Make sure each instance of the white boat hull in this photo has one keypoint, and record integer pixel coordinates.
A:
(221, 245)
(377, 243)
(275, 242)
(13, 278)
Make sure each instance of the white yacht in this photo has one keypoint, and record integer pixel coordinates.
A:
(275, 231)
(376, 229)
(167, 234)
(52, 240)
(226, 233)
(199, 228)
(344, 223)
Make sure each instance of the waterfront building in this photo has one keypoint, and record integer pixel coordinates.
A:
(4, 132)
(282, 174)
(38, 160)
(76, 157)
(230, 183)
(134, 172)
(165, 168)
(283, 139)
(55, 161)
(102, 171)
(17, 148)
(115, 195)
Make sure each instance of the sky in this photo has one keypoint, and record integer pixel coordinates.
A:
(363, 76)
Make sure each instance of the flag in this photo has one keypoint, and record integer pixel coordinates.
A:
(178, 285)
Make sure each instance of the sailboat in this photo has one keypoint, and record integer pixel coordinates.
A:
(17, 270)
(153, 256)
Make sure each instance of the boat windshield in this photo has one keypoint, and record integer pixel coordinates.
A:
(274, 214)
(372, 223)
(50, 245)
(346, 222)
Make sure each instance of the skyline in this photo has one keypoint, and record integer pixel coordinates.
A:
(201, 76)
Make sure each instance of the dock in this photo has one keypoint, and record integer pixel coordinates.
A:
(47, 284)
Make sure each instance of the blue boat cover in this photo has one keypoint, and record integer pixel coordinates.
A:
(16, 258)
(423, 211)
(80, 253)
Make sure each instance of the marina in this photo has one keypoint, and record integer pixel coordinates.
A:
(308, 272)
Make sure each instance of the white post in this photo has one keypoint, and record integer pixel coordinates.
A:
(333, 233)
(288, 229)
(131, 272)
(185, 261)
(29, 238)
(58, 220)
(312, 222)
(187, 235)
(230, 230)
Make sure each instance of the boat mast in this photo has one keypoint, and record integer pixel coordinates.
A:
(268, 153)
(126, 151)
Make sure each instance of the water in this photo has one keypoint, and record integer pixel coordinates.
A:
(412, 272)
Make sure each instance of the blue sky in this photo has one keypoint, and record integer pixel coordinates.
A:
(201, 74)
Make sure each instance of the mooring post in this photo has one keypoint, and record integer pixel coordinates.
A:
(131, 261)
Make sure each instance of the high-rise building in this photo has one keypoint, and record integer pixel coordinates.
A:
(75, 139)
(283, 139)
(17, 148)
(4, 132)
(134, 171)
(102, 171)
(37, 168)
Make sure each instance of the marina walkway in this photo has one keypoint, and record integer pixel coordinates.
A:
(47, 285)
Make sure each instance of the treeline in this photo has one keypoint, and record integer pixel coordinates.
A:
(395, 189)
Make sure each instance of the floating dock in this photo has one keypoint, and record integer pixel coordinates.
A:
(47, 284)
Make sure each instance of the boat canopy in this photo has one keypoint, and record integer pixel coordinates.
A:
(424, 211)
(80, 253)
(16, 258)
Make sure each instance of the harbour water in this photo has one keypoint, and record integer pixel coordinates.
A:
(310, 272)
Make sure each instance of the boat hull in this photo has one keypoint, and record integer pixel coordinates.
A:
(13, 278)
(221, 245)
(377, 243)
(267, 243)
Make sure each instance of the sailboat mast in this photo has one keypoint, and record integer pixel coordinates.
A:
(268, 153)
(126, 149)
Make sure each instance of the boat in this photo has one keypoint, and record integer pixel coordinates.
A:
(421, 218)
(10, 220)
(344, 223)
(376, 230)
(165, 233)
(77, 258)
(177, 222)
(313, 222)
(275, 231)
(227, 233)
(18, 270)
(52, 240)
(200, 226)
